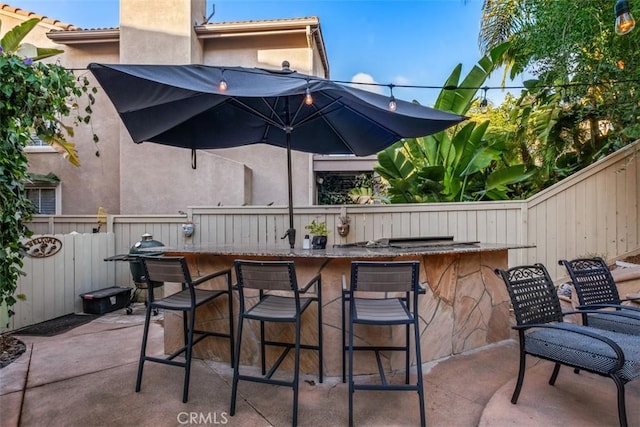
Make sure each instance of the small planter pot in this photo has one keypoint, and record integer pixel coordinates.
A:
(319, 242)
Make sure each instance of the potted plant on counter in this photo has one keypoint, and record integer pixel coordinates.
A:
(320, 232)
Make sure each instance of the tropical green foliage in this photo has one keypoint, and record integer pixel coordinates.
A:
(585, 100)
(34, 97)
(453, 165)
(369, 189)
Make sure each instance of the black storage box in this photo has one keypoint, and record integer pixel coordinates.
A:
(105, 300)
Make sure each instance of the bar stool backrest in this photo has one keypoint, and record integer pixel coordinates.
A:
(167, 269)
(398, 276)
(266, 275)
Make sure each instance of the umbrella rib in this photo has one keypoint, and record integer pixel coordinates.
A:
(312, 116)
(321, 112)
(259, 114)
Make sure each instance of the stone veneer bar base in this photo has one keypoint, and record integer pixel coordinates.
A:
(466, 307)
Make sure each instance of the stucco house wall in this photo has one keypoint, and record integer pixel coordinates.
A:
(96, 182)
(147, 178)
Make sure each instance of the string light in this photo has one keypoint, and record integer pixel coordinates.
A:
(484, 104)
(222, 86)
(506, 87)
(308, 99)
(624, 20)
(619, 64)
(392, 99)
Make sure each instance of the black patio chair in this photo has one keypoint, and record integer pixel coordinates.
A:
(597, 290)
(543, 334)
(396, 303)
(158, 270)
(285, 306)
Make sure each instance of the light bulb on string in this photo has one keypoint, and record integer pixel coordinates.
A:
(222, 86)
(392, 99)
(308, 99)
(624, 20)
(484, 103)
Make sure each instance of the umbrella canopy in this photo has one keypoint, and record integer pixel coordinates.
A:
(185, 106)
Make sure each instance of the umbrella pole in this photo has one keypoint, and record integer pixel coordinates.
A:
(291, 232)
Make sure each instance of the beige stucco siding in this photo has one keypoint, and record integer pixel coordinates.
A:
(128, 178)
(95, 183)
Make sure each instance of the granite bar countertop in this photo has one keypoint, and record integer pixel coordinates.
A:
(348, 251)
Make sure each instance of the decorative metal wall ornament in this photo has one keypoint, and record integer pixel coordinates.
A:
(42, 247)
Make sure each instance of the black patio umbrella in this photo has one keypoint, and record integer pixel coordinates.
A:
(206, 107)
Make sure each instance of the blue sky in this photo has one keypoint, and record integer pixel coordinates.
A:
(414, 42)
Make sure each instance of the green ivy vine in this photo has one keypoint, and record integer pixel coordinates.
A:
(34, 99)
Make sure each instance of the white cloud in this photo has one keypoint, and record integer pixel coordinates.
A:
(401, 80)
(369, 83)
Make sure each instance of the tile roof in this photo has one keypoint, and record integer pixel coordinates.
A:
(62, 26)
(263, 21)
(53, 22)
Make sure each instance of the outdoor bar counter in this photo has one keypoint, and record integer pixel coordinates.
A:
(465, 306)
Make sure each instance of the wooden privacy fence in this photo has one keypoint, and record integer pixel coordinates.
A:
(594, 212)
(52, 285)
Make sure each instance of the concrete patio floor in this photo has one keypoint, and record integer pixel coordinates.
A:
(86, 377)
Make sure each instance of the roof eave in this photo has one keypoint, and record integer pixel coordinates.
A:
(110, 35)
(209, 31)
(317, 34)
(240, 27)
(261, 28)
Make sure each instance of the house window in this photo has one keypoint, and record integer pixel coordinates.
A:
(36, 145)
(43, 199)
(333, 187)
(36, 141)
(45, 193)
(336, 175)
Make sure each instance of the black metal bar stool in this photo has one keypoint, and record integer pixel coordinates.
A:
(174, 269)
(385, 279)
(275, 276)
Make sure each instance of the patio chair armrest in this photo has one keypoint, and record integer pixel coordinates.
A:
(226, 271)
(584, 331)
(634, 312)
(597, 311)
(314, 280)
(631, 299)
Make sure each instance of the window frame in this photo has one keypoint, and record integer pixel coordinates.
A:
(57, 195)
(39, 146)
